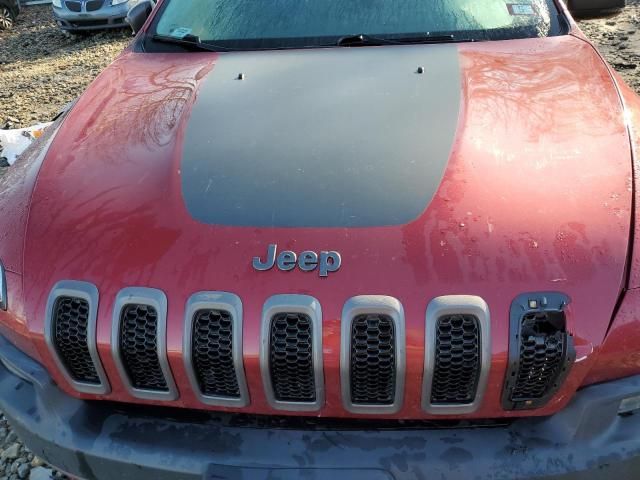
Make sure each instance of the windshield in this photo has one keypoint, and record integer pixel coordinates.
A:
(253, 24)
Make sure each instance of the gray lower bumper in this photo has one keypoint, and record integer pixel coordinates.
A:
(98, 440)
(109, 17)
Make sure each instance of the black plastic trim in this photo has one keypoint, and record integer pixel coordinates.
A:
(520, 307)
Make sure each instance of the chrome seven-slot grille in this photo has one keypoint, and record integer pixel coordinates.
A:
(373, 365)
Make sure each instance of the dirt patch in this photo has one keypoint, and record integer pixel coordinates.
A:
(618, 39)
(43, 68)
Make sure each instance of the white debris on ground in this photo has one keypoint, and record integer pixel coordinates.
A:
(14, 142)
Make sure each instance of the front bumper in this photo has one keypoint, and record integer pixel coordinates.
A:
(106, 17)
(97, 440)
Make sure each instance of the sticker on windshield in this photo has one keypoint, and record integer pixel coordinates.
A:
(180, 32)
(520, 9)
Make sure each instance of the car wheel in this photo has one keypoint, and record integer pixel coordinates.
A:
(7, 18)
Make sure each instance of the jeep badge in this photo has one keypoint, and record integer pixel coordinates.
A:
(308, 261)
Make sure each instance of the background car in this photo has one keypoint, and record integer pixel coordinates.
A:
(594, 7)
(78, 15)
(9, 10)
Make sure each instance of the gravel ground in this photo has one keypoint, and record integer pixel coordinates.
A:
(618, 39)
(17, 462)
(42, 69)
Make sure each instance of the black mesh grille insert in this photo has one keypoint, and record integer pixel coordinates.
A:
(139, 347)
(373, 360)
(212, 353)
(93, 5)
(70, 323)
(74, 6)
(457, 360)
(291, 358)
(542, 355)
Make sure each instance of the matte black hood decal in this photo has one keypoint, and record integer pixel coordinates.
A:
(321, 138)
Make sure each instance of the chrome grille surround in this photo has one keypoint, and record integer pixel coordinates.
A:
(89, 293)
(372, 305)
(232, 304)
(455, 305)
(295, 304)
(158, 301)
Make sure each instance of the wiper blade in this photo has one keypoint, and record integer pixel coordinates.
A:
(191, 42)
(368, 40)
(362, 39)
(428, 39)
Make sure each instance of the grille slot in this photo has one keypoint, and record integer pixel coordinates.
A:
(541, 358)
(93, 5)
(457, 360)
(139, 347)
(212, 353)
(74, 6)
(291, 358)
(70, 333)
(70, 326)
(373, 360)
(457, 354)
(291, 353)
(541, 351)
(139, 343)
(213, 349)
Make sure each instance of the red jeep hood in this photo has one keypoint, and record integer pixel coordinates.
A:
(534, 195)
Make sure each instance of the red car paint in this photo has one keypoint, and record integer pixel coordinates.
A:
(537, 196)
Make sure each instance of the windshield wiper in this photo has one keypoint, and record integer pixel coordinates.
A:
(369, 40)
(361, 39)
(191, 42)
